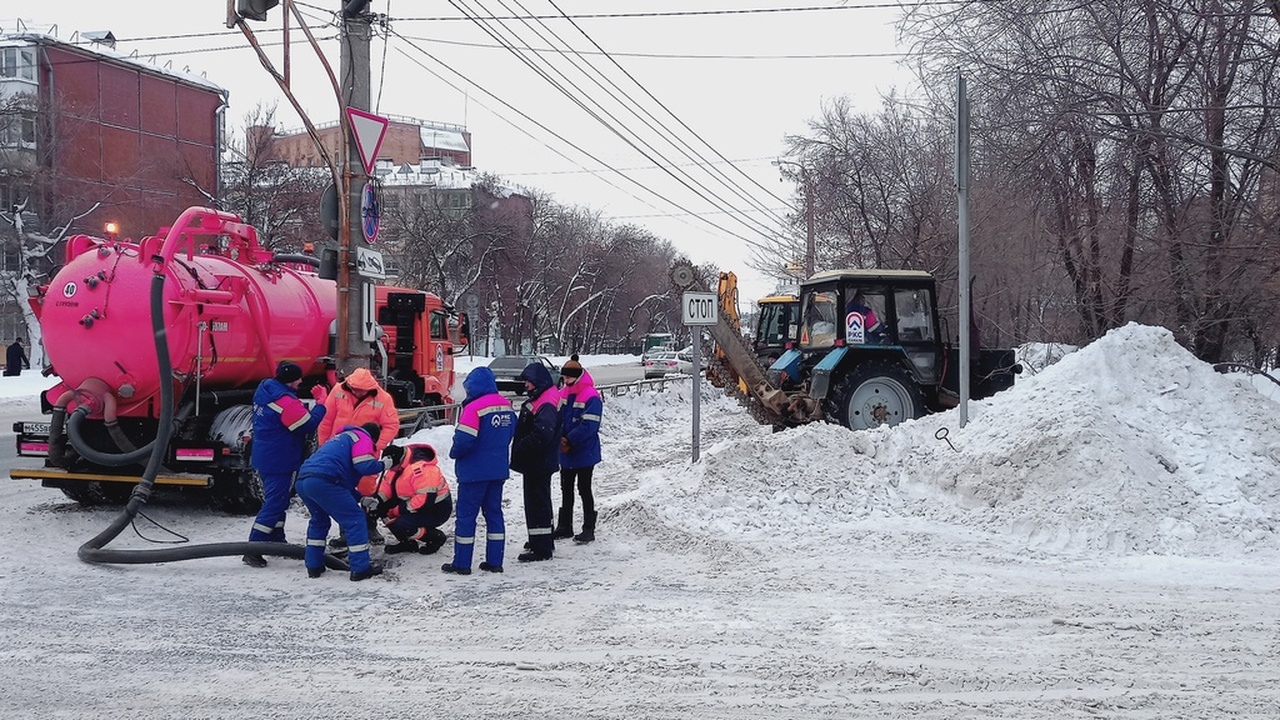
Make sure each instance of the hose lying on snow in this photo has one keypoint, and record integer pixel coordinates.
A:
(94, 550)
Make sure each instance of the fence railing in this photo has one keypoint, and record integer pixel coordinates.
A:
(416, 419)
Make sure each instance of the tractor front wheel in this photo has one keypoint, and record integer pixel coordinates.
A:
(874, 394)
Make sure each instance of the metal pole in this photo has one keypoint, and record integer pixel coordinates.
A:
(808, 212)
(962, 201)
(354, 71)
(697, 390)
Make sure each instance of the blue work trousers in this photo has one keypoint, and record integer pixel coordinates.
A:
(473, 498)
(269, 525)
(327, 499)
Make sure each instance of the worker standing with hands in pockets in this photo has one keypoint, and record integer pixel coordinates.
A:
(535, 454)
(580, 411)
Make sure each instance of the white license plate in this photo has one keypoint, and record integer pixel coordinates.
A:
(35, 428)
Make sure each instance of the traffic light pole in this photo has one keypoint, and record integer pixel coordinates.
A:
(357, 29)
(354, 71)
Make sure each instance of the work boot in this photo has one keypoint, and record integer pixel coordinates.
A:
(455, 570)
(316, 572)
(402, 547)
(340, 542)
(588, 533)
(375, 568)
(564, 524)
(490, 568)
(254, 561)
(532, 557)
(431, 542)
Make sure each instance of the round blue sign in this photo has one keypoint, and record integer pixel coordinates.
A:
(369, 212)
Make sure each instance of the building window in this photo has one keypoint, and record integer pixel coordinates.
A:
(18, 63)
(17, 130)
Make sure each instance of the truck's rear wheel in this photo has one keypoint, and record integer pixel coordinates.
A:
(876, 393)
(238, 493)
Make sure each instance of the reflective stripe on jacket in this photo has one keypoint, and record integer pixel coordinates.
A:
(482, 438)
(344, 459)
(414, 483)
(281, 424)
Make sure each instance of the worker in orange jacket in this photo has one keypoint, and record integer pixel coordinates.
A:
(356, 400)
(413, 497)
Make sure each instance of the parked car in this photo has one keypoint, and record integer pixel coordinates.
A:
(655, 351)
(507, 369)
(668, 362)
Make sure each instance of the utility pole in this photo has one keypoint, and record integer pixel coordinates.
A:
(962, 201)
(357, 30)
(808, 221)
(351, 91)
(806, 183)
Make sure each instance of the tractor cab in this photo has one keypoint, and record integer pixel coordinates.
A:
(882, 313)
(868, 346)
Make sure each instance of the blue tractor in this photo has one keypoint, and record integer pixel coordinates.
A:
(870, 351)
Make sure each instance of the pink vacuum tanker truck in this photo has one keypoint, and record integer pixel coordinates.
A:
(231, 311)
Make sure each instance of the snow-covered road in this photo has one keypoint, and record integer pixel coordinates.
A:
(805, 574)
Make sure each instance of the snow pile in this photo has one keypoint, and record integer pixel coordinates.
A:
(1127, 446)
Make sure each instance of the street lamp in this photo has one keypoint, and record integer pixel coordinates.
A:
(808, 211)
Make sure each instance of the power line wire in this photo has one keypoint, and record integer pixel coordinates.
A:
(703, 13)
(675, 56)
(673, 115)
(578, 99)
(566, 141)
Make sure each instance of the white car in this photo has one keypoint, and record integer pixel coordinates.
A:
(661, 364)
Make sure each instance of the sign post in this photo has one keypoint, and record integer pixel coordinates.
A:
(697, 310)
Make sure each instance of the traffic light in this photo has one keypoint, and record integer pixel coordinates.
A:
(354, 8)
(254, 9)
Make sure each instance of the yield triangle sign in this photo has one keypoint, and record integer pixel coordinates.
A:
(368, 130)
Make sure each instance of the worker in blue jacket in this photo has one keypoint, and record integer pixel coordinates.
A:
(482, 453)
(281, 427)
(580, 412)
(327, 485)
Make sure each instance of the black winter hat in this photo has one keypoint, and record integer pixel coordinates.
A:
(573, 368)
(287, 372)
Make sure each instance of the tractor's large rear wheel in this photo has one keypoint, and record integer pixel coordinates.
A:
(876, 393)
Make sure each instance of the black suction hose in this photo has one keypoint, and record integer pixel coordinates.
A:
(76, 419)
(109, 459)
(93, 551)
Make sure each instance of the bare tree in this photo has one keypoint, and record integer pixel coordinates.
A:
(280, 200)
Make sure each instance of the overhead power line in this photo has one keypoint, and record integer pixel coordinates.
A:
(703, 13)
(646, 188)
(674, 56)
(566, 86)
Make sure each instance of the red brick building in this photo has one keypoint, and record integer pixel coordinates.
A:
(407, 140)
(142, 141)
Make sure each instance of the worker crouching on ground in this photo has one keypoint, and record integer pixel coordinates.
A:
(482, 454)
(535, 454)
(327, 485)
(414, 499)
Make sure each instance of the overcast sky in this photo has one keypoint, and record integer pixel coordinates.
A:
(738, 80)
